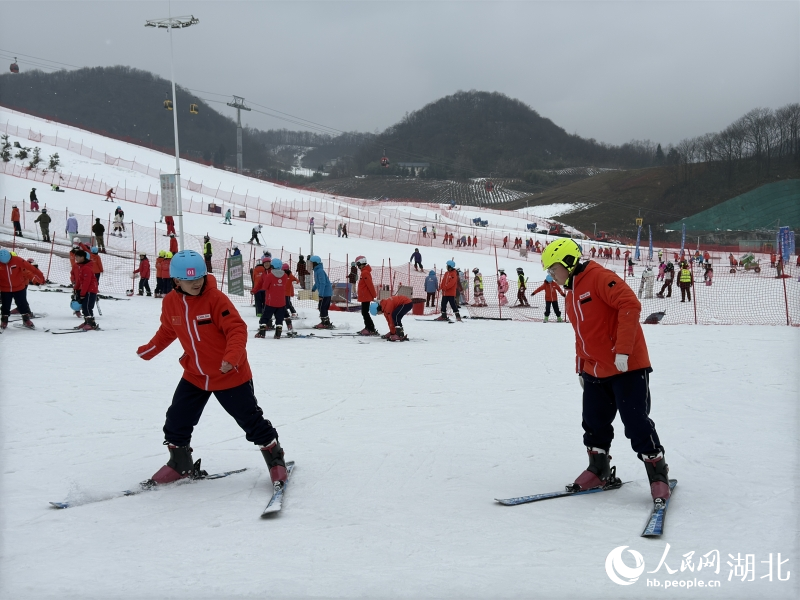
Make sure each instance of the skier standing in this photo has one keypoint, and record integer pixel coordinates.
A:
(163, 272)
(394, 309)
(322, 285)
(662, 267)
(502, 287)
(259, 294)
(613, 367)
(72, 226)
(302, 271)
(44, 222)
(97, 263)
(366, 294)
(288, 291)
(34, 200)
(521, 287)
(227, 220)
(99, 231)
(344, 230)
(477, 288)
(551, 290)
(352, 279)
(173, 243)
(431, 287)
(15, 274)
(144, 274)
(170, 223)
(159, 260)
(448, 287)
(273, 285)
(86, 288)
(216, 363)
(669, 276)
(685, 281)
(118, 226)
(15, 219)
(417, 258)
(254, 235)
(207, 253)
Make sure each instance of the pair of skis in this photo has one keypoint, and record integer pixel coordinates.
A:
(273, 506)
(655, 522)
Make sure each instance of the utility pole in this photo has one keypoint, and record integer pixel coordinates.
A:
(169, 24)
(238, 104)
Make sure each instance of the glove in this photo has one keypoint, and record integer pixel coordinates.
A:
(621, 362)
(580, 378)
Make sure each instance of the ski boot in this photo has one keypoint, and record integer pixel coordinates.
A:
(547, 319)
(658, 474)
(458, 317)
(88, 324)
(278, 329)
(262, 331)
(599, 473)
(148, 294)
(179, 466)
(291, 334)
(141, 293)
(294, 315)
(398, 335)
(273, 455)
(325, 323)
(443, 317)
(4, 322)
(26, 321)
(559, 320)
(367, 332)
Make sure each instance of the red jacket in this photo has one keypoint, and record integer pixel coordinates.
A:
(388, 306)
(210, 330)
(144, 269)
(449, 283)
(288, 288)
(604, 313)
(366, 289)
(86, 282)
(97, 264)
(274, 286)
(173, 245)
(163, 268)
(159, 260)
(551, 291)
(258, 273)
(15, 275)
(15, 214)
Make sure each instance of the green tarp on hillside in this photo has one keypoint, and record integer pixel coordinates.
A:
(763, 207)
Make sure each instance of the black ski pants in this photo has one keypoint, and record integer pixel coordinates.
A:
(554, 304)
(667, 286)
(430, 299)
(626, 393)
(368, 323)
(289, 307)
(239, 402)
(451, 300)
(144, 284)
(278, 312)
(87, 306)
(323, 306)
(20, 298)
(686, 293)
(260, 298)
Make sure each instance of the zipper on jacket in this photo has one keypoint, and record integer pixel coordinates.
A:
(189, 331)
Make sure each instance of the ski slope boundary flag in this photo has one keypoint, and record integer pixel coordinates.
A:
(650, 233)
(235, 276)
(169, 196)
(638, 239)
(683, 237)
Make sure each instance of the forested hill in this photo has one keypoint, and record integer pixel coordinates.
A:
(471, 134)
(128, 102)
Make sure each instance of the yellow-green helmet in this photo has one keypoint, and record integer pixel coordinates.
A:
(167, 254)
(161, 253)
(564, 251)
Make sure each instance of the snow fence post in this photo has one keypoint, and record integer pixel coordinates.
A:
(224, 267)
(50, 261)
(497, 270)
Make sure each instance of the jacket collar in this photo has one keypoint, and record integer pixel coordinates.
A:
(578, 270)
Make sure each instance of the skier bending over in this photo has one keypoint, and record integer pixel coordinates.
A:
(394, 309)
(214, 361)
(613, 367)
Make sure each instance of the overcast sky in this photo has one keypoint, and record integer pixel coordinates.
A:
(612, 71)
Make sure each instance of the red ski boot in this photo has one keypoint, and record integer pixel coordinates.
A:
(599, 473)
(658, 474)
(273, 455)
(179, 466)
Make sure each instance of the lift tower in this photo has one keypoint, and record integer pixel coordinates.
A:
(238, 104)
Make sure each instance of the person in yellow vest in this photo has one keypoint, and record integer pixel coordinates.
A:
(207, 253)
(685, 280)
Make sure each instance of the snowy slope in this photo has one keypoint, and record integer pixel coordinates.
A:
(400, 449)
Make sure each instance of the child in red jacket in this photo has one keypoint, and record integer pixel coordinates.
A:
(273, 284)
(213, 336)
(15, 274)
(551, 290)
(394, 309)
(85, 288)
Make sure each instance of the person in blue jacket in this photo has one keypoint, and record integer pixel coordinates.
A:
(322, 285)
(431, 286)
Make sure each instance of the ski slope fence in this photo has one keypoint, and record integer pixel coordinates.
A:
(742, 297)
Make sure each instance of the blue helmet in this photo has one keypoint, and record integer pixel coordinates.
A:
(5, 256)
(75, 305)
(373, 308)
(187, 265)
(94, 250)
(315, 259)
(451, 264)
(277, 263)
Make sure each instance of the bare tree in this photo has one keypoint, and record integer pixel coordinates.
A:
(687, 149)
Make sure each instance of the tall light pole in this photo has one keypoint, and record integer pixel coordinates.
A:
(238, 104)
(169, 24)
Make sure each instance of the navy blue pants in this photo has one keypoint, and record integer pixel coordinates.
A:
(324, 305)
(554, 304)
(159, 285)
(271, 311)
(399, 312)
(239, 402)
(626, 393)
(20, 298)
(260, 299)
(289, 306)
(87, 306)
(451, 300)
(144, 284)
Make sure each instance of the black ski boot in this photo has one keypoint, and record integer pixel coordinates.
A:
(179, 466)
(658, 474)
(599, 473)
(26, 321)
(278, 329)
(273, 455)
(4, 322)
(262, 331)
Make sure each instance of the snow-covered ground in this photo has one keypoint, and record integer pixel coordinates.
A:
(549, 211)
(401, 450)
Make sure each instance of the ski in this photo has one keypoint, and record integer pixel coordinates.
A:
(548, 496)
(21, 326)
(63, 331)
(275, 503)
(436, 321)
(144, 487)
(655, 524)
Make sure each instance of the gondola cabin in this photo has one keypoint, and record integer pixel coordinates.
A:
(193, 109)
(14, 66)
(384, 161)
(489, 186)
